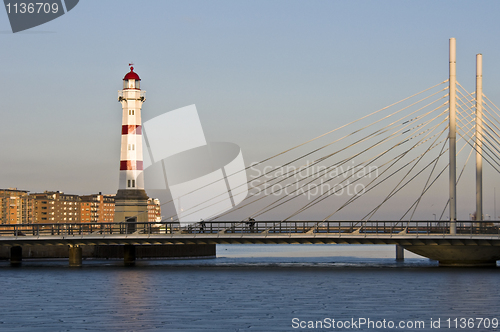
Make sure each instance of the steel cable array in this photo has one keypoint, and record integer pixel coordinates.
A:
(399, 123)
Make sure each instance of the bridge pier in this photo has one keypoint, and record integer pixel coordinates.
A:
(129, 255)
(16, 255)
(400, 253)
(458, 255)
(75, 256)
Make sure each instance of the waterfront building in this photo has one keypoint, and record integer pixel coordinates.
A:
(97, 208)
(154, 210)
(55, 207)
(15, 206)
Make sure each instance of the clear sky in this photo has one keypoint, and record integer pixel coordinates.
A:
(265, 75)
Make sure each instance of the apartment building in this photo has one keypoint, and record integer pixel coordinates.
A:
(15, 206)
(154, 210)
(97, 208)
(21, 207)
(54, 207)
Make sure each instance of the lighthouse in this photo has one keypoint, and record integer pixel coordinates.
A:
(131, 201)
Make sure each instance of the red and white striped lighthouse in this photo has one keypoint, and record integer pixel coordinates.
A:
(131, 199)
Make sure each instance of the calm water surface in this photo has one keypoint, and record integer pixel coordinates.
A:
(248, 287)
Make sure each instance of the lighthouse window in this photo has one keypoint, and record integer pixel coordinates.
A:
(133, 183)
(129, 183)
(130, 112)
(131, 146)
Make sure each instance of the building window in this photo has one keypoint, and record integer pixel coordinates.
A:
(130, 112)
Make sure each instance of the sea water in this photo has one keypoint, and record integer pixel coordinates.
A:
(251, 288)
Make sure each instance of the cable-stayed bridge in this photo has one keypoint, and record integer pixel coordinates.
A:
(399, 159)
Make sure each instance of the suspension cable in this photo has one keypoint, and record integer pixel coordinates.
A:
(319, 199)
(376, 133)
(327, 133)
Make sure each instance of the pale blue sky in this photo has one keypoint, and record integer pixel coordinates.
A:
(265, 75)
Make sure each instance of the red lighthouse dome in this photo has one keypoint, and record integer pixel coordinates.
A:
(131, 80)
(131, 75)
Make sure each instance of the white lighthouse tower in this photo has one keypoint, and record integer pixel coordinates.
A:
(131, 201)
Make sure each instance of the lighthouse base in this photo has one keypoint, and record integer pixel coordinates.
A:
(131, 205)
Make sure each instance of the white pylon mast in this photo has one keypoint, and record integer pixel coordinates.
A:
(479, 137)
(452, 137)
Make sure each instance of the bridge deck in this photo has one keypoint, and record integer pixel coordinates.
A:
(264, 232)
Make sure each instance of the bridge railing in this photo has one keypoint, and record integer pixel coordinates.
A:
(254, 227)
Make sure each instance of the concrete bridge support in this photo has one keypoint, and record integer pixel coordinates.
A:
(458, 255)
(129, 255)
(400, 253)
(75, 256)
(16, 255)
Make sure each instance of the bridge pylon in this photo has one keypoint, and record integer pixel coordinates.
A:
(452, 136)
(479, 137)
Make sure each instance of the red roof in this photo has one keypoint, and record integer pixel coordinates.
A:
(131, 75)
